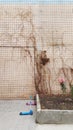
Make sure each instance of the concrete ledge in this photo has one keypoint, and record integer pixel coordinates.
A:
(49, 116)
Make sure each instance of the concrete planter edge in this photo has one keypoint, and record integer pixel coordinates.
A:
(50, 116)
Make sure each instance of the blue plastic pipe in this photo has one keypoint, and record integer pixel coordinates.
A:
(26, 113)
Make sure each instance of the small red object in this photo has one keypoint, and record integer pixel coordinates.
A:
(33, 104)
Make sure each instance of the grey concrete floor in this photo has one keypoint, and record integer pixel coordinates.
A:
(11, 120)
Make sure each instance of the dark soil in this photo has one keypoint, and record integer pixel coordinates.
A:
(61, 102)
